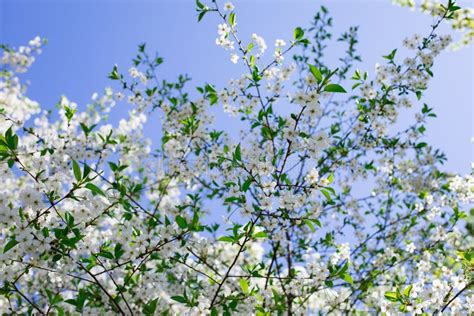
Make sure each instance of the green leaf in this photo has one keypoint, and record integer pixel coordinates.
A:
(250, 46)
(391, 56)
(12, 243)
(454, 8)
(232, 19)
(114, 75)
(421, 145)
(342, 269)
(199, 4)
(178, 298)
(316, 221)
(429, 72)
(56, 257)
(310, 225)
(69, 112)
(181, 221)
(244, 285)
(391, 296)
(334, 88)
(150, 307)
(256, 74)
(326, 194)
(201, 15)
(252, 60)
(346, 277)
(77, 170)
(10, 140)
(69, 219)
(105, 254)
(210, 88)
(261, 234)
(330, 178)
(118, 251)
(298, 34)
(237, 153)
(407, 290)
(418, 94)
(246, 184)
(266, 132)
(316, 73)
(95, 189)
(226, 239)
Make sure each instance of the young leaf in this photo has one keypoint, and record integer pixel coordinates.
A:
(201, 15)
(179, 299)
(226, 239)
(114, 75)
(326, 194)
(346, 277)
(77, 170)
(12, 243)
(391, 296)
(244, 285)
(407, 290)
(150, 307)
(232, 19)
(310, 225)
(261, 234)
(181, 221)
(237, 153)
(298, 34)
(421, 145)
(199, 4)
(334, 88)
(246, 184)
(95, 189)
(316, 73)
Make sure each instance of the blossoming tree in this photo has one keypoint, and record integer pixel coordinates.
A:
(330, 207)
(462, 20)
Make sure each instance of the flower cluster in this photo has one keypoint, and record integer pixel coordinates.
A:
(461, 19)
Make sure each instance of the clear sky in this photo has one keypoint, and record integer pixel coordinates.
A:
(86, 38)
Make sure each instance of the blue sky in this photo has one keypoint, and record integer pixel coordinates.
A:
(86, 38)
